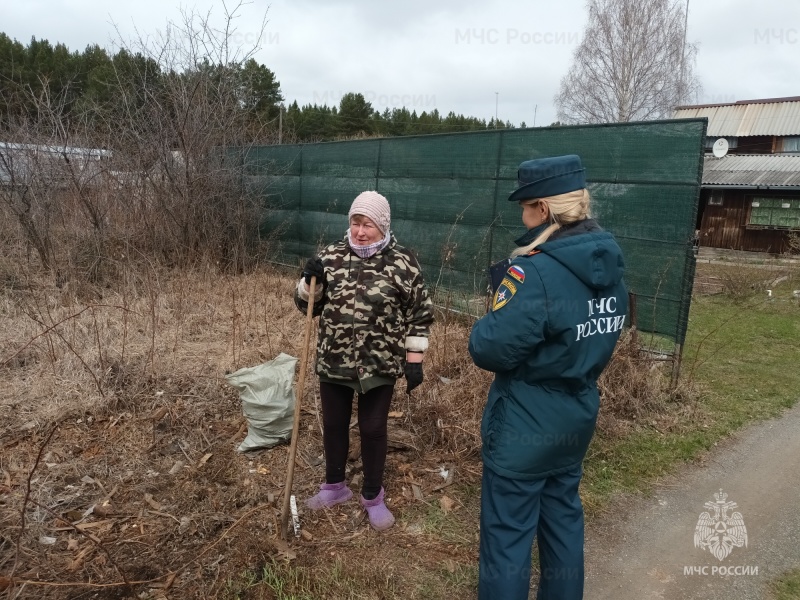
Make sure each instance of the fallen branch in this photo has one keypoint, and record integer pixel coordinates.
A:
(27, 499)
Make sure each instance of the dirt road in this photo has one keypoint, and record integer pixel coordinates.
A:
(646, 549)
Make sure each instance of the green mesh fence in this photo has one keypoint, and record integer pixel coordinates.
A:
(449, 193)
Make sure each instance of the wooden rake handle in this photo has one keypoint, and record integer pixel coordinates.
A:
(301, 382)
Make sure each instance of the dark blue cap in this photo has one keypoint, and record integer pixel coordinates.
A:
(545, 177)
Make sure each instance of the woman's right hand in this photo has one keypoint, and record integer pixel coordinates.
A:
(314, 268)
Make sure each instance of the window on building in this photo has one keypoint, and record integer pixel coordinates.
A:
(715, 199)
(775, 212)
(790, 144)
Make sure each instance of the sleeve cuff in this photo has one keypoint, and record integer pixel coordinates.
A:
(416, 344)
(302, 291)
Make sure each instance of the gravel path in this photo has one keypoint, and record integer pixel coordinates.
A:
(646, 548)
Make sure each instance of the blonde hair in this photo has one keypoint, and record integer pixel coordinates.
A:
(563, 209)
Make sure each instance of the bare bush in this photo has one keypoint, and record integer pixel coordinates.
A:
(793, 243)
(182, 110)
(741, 280)
(635, 388)
(150, 175)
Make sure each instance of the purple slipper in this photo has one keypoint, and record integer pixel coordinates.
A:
(379, 516)
(330, 494)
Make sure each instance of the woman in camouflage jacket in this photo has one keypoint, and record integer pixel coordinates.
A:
(375, 319)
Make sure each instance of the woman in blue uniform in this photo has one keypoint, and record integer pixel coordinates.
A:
(555, 318)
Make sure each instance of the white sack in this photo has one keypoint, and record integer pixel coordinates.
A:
(267, 394)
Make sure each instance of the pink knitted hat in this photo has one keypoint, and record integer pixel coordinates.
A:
(373, 206)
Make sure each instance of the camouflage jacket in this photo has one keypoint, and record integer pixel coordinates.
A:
(371, 312)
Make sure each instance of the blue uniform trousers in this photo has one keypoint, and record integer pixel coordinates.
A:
(513, 511)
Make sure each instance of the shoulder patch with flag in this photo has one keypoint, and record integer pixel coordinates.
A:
(517, 273)
(505, 291)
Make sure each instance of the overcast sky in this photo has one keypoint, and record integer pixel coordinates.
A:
(473, 58)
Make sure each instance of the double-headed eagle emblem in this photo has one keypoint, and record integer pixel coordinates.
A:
(718, 532)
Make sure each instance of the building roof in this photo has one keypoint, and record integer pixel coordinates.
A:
(53, 149)
(769, 116)
(752, 171)
(19, 162)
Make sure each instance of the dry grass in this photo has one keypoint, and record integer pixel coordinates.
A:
(114, 346)
(141, 480)
(635, 388)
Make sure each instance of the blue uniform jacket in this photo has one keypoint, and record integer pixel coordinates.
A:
(554, 322)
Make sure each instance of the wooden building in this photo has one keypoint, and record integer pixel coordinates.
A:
(750, 194)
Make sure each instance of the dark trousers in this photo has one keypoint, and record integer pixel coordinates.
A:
(512, 513)
(373, 413)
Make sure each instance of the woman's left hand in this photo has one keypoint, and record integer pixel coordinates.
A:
(413, 375)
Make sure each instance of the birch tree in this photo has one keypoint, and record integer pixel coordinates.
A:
(633, 64)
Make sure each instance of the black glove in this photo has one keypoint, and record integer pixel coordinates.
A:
(413, 375)
(314, 268)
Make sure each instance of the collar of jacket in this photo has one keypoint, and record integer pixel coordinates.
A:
(530, 235)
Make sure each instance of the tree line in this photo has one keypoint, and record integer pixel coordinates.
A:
(86, 86)
(356, 117)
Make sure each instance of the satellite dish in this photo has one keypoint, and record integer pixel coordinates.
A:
(720, 147)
